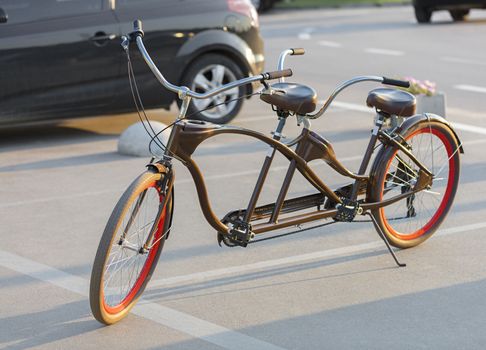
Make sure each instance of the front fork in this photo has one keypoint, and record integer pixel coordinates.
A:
(166, 189)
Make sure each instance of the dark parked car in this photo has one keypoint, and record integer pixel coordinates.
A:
(263, 5)
(458, 9)
(63, 59)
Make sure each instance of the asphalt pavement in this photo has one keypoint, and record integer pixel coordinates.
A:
(326, 288)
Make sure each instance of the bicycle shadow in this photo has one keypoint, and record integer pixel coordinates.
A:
(44, 327)
(448, 317)
(174, 293)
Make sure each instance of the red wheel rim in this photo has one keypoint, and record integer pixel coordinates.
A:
(445, 200)
(132, 294)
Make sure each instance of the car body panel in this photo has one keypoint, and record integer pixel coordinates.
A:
(450, 4)
(49, 68)
(53, 59)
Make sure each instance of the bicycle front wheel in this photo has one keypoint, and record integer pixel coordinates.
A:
(411, 221)
(129, 248)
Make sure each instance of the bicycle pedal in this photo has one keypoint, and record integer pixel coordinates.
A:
(239, 235)
(348, 210)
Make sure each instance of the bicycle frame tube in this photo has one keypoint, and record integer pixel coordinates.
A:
(188, 134)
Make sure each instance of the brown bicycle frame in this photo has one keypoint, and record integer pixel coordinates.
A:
(187, 135)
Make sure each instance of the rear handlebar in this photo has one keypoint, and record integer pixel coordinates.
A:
(395, 82)
(183, 91)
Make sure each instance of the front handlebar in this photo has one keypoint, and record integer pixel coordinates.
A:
(183, 91)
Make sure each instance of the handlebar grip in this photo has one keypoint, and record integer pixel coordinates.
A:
(137, 30)
(277, 74)
(298, 51)
(395, 82)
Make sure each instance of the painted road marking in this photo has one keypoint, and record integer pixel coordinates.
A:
(183, 322)
(352, 106)
(306, 34)
(162, 315)
(470, 128)
(385, 52)
(329, 44)
(463, 127)
(319, 255)
(57, 198)
(463, 61)
(343, 105)
(471, 88)
(178, 182)
(459, 126)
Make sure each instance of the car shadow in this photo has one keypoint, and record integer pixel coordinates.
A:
(94, 158)
(45, 135)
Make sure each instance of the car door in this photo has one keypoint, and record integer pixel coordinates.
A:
(58, 58)
(165, 23)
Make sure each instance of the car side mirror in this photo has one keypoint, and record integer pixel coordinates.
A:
(3, 16)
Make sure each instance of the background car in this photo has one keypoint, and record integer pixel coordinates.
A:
(263, 5)
(458, 9)
(62, 59)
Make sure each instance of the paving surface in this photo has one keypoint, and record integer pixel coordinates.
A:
(333, 287)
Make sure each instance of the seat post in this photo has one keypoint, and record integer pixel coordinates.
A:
(380, 117)
(282, 119)
(277, 135)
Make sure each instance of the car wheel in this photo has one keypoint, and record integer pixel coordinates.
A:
(207, 73)
(423, 14)
(459, 15)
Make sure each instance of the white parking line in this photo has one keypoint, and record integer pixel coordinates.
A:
(339, 104)
(182, 322)
(470, 128)
(329, 44)
(385, 52)
(471, 88)
(178, 182)
(459, 126)
(274, 169)
(319, 255)
(352, 106)
(463, 61)
(305, 34)
(57, 198)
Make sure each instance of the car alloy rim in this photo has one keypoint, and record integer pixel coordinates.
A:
(209, 78)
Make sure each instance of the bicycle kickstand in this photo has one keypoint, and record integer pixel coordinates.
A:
(382, 235)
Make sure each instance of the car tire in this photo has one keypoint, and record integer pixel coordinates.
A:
(207, 73)
(423, 14)
(459, 15)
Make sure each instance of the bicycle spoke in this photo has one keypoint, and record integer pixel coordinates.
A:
(125, 262)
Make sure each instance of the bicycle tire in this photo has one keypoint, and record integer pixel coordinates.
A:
(404, 224)
(141, 192)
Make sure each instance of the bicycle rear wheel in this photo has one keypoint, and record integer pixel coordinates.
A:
(123, 265)
(411, 221)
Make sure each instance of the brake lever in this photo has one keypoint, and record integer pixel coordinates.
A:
(125, 43)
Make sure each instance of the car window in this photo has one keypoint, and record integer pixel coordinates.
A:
(22, 11)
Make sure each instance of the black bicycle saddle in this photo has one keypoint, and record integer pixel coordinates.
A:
(391, 101)
(292, 97)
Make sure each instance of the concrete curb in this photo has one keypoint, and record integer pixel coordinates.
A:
(135, 140)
